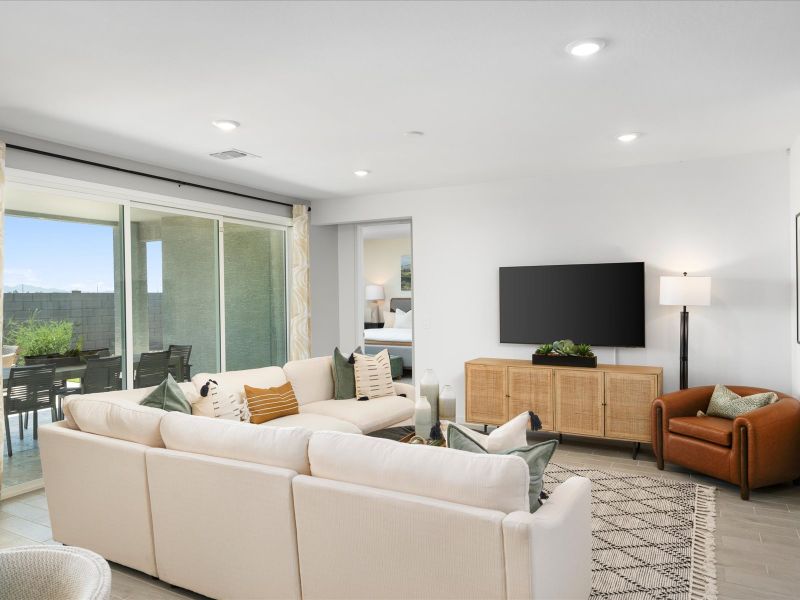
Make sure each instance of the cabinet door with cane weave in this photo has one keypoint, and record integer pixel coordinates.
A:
(531, 388)
(579, 402)
(486, 394)
(628, 400)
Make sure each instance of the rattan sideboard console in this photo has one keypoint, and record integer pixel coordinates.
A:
(610, 401)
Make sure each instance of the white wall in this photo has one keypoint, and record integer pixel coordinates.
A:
(382, 267)
(350, 303)
(722, 217)
(36, 163)
(794, 162)
(324, 244)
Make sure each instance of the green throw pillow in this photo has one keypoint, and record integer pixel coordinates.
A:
(168, 396)
(729, 405)
(344, 376)
(537, 457)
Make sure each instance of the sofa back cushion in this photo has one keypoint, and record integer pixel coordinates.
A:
(285, 447)
(117, 415)
(233, 382)
(483, 480)
(312, 379)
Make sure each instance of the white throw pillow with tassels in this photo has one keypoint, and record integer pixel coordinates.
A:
(224, 404)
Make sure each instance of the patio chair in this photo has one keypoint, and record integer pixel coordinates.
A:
(30, 388)
(97, 352)
(184, 352)
(103, 374)
(152, 369)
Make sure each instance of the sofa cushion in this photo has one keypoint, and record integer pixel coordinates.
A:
(266, 404)
(275, 446)
(368, 416)
(119, 416)
(710, 429)
(312, 379)
(484, 480)
(168, 396)
(234, 382)
(314, 423)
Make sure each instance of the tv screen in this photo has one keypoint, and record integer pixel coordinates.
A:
(598, 304)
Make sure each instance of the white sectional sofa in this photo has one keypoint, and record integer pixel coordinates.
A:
(234, 510)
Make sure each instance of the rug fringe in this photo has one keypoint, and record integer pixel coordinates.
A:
(703, 576)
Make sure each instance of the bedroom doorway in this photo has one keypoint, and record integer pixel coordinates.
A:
(385, 291)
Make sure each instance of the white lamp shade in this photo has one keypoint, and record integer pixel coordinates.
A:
(374, 292)
(685, 291)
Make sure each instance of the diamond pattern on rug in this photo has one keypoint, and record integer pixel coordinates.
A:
(642, 534)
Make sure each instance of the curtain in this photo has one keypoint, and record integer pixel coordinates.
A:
(2, 214)
(301, 287)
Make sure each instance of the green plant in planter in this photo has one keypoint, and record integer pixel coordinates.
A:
(544, 349)
(564, 347)
(583, 350)
(36, 337)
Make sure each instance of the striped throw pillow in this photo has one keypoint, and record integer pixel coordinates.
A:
(271, 403)
(373, 376)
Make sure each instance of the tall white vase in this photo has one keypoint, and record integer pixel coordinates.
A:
(447, 403)
(422, 417)
(429, 387)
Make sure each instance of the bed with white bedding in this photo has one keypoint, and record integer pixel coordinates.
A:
(397, 340)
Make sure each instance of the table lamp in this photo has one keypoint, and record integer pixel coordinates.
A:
(374, 294)
(685, 291)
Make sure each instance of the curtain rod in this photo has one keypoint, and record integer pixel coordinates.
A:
(141, 174)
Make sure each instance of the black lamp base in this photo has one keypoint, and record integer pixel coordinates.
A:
(684, 361)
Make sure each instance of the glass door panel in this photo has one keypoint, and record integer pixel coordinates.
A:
(175, 285)
(64, 293)
(255, 296)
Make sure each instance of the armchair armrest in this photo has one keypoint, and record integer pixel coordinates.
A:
(773, 442)
(406, 389)
(549, 553)
(684, 403)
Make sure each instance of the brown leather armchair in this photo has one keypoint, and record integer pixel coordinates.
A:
(753, 450)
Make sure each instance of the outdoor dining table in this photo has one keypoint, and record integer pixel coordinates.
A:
(64, 372)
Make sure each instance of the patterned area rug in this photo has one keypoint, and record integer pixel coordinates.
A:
(651, 538)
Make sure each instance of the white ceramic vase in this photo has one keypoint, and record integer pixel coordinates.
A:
(422, 417)
(429, 387)
(447, 403)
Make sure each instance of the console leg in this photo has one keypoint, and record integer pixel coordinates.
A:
(485, 428)
(560, 437)
(636, 447)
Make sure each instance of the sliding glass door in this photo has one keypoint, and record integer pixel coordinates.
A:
(255, 296)
(175, 285)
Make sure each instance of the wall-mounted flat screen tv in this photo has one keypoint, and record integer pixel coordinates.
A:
(598, 304)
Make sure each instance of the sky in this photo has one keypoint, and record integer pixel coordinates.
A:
(66, 256)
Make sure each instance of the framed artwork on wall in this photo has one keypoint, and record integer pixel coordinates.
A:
(405, 273)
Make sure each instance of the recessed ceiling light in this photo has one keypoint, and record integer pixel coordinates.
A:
(584, 48)
(361, 173)
(225, 124)
(628, 137)
(415, 133)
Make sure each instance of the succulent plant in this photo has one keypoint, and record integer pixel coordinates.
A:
(583, 350)
(564, 347)
(544, 349)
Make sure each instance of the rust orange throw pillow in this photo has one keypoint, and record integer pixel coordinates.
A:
(271, 403)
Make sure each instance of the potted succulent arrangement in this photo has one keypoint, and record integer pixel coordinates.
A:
(565, 353)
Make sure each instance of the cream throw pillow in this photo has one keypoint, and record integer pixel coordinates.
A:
(373, 376)
(403, 320)
(388, 319)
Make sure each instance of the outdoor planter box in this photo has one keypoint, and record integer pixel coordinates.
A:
(558, 360)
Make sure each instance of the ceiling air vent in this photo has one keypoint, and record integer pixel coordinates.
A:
(231, 154)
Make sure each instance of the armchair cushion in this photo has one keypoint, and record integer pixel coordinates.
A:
(728, 404)
(710, 429)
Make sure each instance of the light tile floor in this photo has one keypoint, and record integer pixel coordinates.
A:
(758, 542)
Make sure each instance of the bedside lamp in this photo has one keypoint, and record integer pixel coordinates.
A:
(374, 294)
(685, 291)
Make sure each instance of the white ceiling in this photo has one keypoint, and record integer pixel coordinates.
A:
(325, 88)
